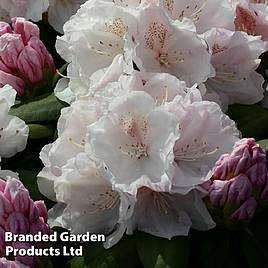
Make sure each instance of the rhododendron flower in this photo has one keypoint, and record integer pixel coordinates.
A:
(204, 13)
(20, 215)
(13, 131)
(167, 215)
(235, 58)
(171, 47)
(240, 180)
(86, 200)
(93, 37)
(135, 142)
(206, 133)
(60, 11)
(25, 62)
(252, 19)
(69, 143)
(29, 9)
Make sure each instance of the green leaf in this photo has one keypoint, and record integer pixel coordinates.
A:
(264, 144)
(41, 110)
(252, 120)
(122, 255)
(37, 131)
(155, 252)
(255, 253)
(77, 262)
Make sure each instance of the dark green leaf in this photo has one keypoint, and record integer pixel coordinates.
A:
(77, 262)
(122, 255)
(37, 131)
(41, 110)
(264, 144)
(252, 120)
(155, 252)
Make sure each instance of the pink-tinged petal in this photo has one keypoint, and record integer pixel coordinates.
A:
(26, 29)
(5, 208)
(4, 28)
(30, 64)
(218, 193)
(30, 261)
(246, 211)
(11, 46)
(17, 223)
(257, 175)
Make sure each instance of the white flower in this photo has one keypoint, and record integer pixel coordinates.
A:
(13, 131)
(206, 133)
(72, 126)
(86, 200)
(235, 58)
(29, 9)
(135, 141)
(163, 87)
(204, 13)
(93, 37)
(61, 10)
(171, 47)
(167, 215)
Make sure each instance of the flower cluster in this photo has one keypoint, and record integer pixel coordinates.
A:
(19, 215)
(148, 83)
(24, 60)
(240, 181)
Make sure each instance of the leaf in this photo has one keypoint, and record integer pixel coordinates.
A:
(77, 262)
(252, 120)
(37, 131)
(263, 144)
(254, 252)
(156, 252)
(46, 109)
(58, 74)
(122, 255)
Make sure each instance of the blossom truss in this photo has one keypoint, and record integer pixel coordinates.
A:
(235, 58)
(143, 34)
(13, 131)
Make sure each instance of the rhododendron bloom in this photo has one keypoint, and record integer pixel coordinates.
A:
(235, 58)
(86, 200)
(69, 143)
(29, 9)
(135, 142)
(60, 11)
(25, 62)
(93, 37)
(4, 263)
(204, 13)
(206, 133)
(171, 47)
(252, 19)
(13, 131)
(20, 215)
(167, 215)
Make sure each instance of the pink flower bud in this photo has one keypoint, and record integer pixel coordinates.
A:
(4, 263)
(240, 180)
(19, 214)
(246, 211)
(24, 59)
(4, 28)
